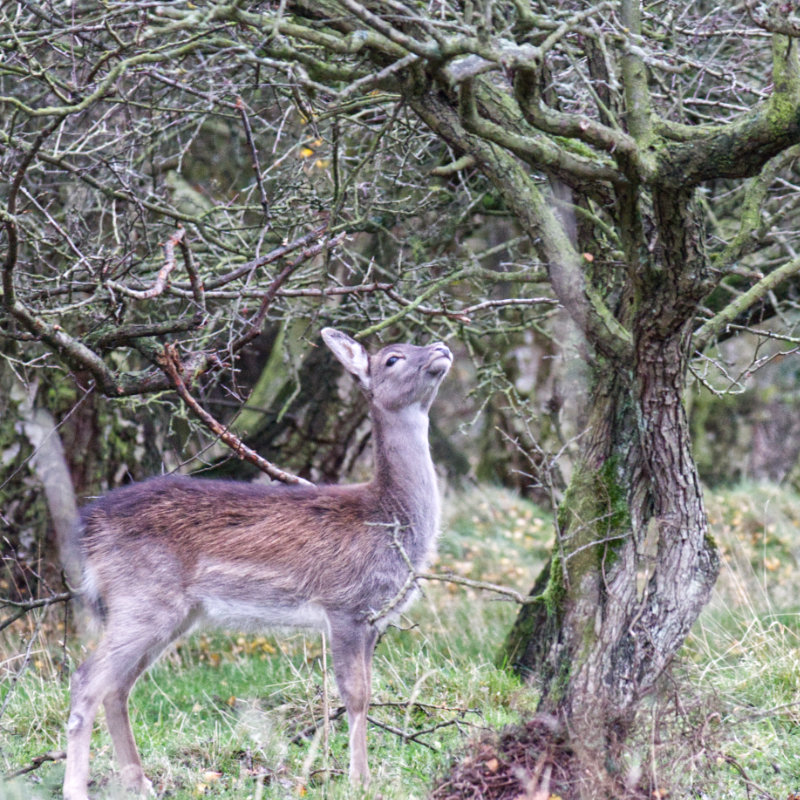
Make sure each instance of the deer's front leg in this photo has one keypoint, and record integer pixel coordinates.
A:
(352, 645)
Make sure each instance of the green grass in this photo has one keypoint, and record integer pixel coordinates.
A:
(231, 716)
(742, 660)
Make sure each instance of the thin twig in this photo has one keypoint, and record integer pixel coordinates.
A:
(309, 730)
(402, 734)
(414, 576)
(272, 290)
(410, 581)
(267, 258)
(326, 709)
(25, 606)
(449, 577)
(373, 78)
(198, 290)
(423, 706)
(248, 132)
(36, 762)
(160, 282)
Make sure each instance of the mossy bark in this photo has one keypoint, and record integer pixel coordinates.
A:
(633, 565)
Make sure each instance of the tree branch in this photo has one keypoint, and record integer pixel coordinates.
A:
(412, 304)
(775, 20)
(24, 606)
(160, 282)
(713, 327)
(634, 78)
(263, 261)
(106, 84)
(269, 295)
(523, 197)
(36, 762)
(240, 107)
(171, 364)
(741, 148)
(559, 123)
(539, 151)
(751, 217)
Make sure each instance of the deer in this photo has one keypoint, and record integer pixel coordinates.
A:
(171, 553)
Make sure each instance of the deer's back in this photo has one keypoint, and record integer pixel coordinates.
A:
(244, 550)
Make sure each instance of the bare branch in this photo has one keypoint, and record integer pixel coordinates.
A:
(269, 258)
(24, 606)
(240, 107)
(718, 323)
(751, 219)
(280, 279)
(173, 368)
(163, 274)
(36, 762)
(775, 19)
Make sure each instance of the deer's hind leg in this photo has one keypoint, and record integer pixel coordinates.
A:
(108, 676)
(89, 685)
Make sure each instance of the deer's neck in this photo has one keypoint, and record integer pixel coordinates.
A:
(405, 480)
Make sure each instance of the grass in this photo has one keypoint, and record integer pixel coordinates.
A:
(240, 716)
(743, 657)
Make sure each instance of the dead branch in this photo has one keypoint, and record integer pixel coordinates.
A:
(310, 730)
(410, 581)
(171, 364)
(24, 606)
(272, 289)
(28, 605)
(263, 261)
(414, 576)
(404, 735)
(248, 132)
(449, 577)
(160, 282)
(36, 762)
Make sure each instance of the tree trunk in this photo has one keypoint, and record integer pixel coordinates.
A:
(633, 566)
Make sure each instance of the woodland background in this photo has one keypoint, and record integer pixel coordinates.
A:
(190, 191)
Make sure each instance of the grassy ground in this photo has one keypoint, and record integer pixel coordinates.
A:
(235, 716)
(742, 661)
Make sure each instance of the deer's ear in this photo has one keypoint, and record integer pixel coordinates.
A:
(352, 355)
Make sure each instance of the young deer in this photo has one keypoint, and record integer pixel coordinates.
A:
(172, 552)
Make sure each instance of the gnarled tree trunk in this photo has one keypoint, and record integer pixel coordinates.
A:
(634, 565)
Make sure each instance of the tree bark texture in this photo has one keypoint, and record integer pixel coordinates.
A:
(634, 565)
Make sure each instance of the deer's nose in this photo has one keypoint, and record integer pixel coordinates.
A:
(443, 349)
(436, 365)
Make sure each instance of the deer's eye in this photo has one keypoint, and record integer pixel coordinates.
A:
(392, 360)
